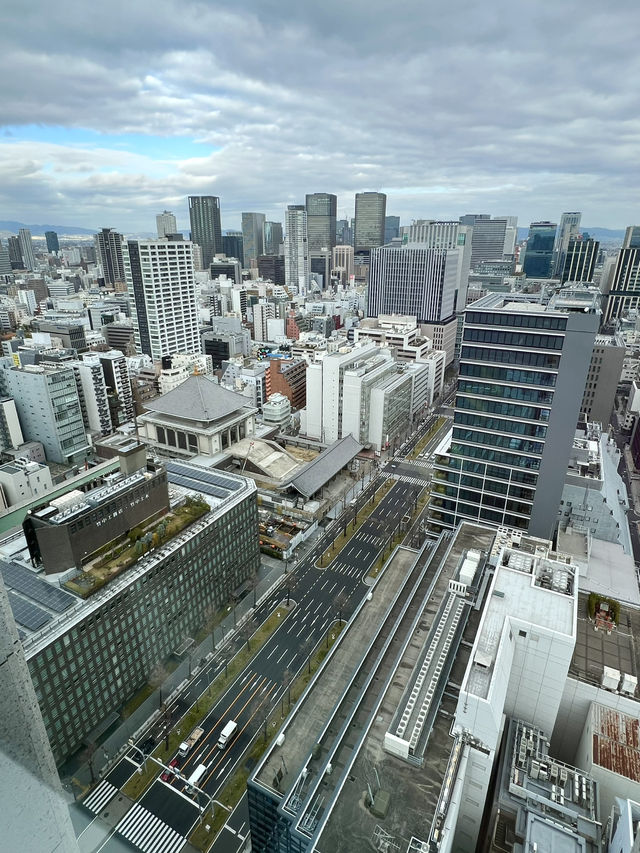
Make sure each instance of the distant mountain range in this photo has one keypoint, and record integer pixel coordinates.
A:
(604, 235)
(38, 230)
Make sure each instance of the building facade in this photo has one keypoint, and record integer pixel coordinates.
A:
(109, 254)
(272, 237)
(53, 244)
(523, 367)
(252, 238)
(538, 259)
(624, 291)
(161, 284)
(166, 224)
(371, 208)
(296, 249)
(206, 230)
(579, 260)
(26, 248)
(568, 229)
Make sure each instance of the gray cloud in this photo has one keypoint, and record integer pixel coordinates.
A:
(505, 108)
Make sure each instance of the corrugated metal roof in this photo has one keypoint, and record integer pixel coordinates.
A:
(199, 398)
(616, 742)
(326, 465)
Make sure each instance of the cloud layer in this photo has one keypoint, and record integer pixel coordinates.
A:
(449, 108)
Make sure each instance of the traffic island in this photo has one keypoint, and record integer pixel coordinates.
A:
(136, 786)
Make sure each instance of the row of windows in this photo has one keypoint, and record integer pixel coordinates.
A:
(509, 410)
(490, 455)
(489, 473)
(492, 440)
(513, 339)
(511, 427)
(524, 321)
(508, 356)
(509, 374)
(528, 395)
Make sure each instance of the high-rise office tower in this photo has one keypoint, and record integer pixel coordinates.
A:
(26, 248)
(161, 283)
(206, 231)
(489, 236)
(510, 236)
(271, 268)
(5, 260)
(15, 253)
(296, 248)
(321, 221)
(416, 281)
(252, 237)
(166, 224)
(272, 238)
(624, 293)
(371, 210)
(343, 263)
(391, 228)
(568, 229)
(523, 367)
(109, 251)
(579, 260)
(539, 255)
(232, 244)
(53, 244)
(344, 233)
(434, 234)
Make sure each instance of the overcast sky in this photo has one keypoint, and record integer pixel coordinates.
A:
(116, 111)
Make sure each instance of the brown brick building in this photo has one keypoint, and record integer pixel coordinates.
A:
(288, 377)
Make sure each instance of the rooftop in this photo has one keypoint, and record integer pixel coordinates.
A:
(616, 741)
(325, 466)
(199, 398)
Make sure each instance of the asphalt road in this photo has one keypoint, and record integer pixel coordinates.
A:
(164, 816)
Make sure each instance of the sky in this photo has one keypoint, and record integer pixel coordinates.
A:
(112, 113)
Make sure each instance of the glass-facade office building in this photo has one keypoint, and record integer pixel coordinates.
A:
(523, 368)
(538, 259)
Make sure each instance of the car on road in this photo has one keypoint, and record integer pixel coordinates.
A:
(394, 465)
(170, 771)
(147, 745)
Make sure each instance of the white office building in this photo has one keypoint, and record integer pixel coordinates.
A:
(162, 287)
(92, 391)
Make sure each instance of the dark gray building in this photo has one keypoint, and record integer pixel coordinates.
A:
(603, 377)
(232, 244)
(273, 238)
(272, 268)
(371, 210)
(624, 293)
(252, 237)
(15, 253)
(391, 228)
(321, 221)
(53, 245)
(206, 230)
(580, 258)
(488, 237)
(523, 367)
(109, 253)
(90, 657)
(538, 257)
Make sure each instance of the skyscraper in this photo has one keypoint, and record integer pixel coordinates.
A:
(539, 255)
(161, 283)
(391, 228)
(371, 208)
(624, 293)
(53, 244)
(109, 250)
(272, 238)
(344, 233)
(568, 229)
(26, 248)
(489, 237)
(296, 248)
(434, 234)
(252, 237)
(15, 253)
(417, 281)
(523, 367)
(206, 231)
(5, 260)
(166, 224)
(321, 221)
(579, 260)
(232, 244)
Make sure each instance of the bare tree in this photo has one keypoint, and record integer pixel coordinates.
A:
(339, 603)
(287, 677)
(210, 620)
(308, 646)
(292, 582)
(90, 756)
(158, 676)
(249, 628)
(254, 585)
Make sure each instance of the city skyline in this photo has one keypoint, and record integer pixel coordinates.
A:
(451, 113)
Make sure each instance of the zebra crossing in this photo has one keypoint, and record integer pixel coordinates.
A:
(406, 478)
(100, 796)
(422, 463)
(148, 832)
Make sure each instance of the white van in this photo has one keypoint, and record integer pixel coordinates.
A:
(227, 732)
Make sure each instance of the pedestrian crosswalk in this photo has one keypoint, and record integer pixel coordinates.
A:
(148, 833)
(423, 463)
(100, 796)
(416, 481)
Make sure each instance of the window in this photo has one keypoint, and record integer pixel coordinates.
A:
(522, 633)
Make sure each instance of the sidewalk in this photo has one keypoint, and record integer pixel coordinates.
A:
(269, 575)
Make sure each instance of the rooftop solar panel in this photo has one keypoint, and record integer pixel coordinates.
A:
(21, 579)
(27, 614)
(205, 476)
(198, 486)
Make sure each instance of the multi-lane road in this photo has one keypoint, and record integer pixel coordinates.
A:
(162, 819)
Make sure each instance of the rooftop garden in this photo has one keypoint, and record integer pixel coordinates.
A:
(127, 550)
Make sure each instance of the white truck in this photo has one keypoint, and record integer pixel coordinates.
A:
(192, 740)
(227, 732)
